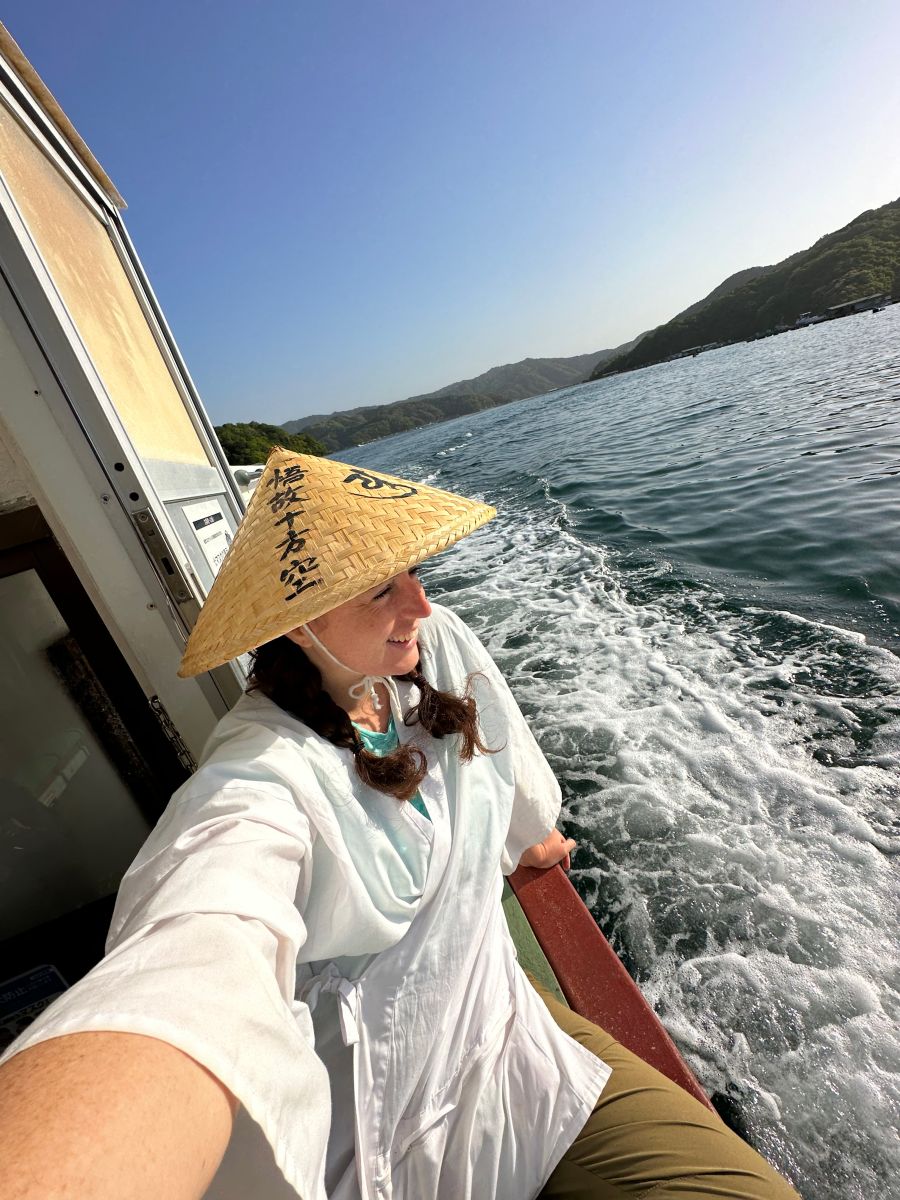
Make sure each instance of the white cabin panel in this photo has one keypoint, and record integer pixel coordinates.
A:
(85, 267)
(96, 536)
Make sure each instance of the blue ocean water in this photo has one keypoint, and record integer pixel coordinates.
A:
(693, 585)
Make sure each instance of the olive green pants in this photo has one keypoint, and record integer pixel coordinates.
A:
(647, 1139)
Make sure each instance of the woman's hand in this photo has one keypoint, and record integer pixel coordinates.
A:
(553, 849)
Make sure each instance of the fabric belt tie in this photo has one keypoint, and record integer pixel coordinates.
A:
(331, 981)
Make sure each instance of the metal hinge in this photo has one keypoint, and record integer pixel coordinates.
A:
(185, 757)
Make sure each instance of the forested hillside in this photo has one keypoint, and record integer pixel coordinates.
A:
(499, 385)
(738, 279)
(858, 260)
(250, 442)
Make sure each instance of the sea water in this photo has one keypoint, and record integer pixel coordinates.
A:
(693, 585)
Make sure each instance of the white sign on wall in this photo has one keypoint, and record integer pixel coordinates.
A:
(211, 529)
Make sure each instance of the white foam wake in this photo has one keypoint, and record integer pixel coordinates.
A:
(734, 789)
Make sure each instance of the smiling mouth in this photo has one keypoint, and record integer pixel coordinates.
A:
(403, 641)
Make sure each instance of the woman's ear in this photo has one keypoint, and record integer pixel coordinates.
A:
(300, 637)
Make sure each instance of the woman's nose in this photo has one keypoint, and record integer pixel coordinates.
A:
(416, 598)
(424, 606)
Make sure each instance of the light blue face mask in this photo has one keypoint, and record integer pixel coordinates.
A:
(366, 686)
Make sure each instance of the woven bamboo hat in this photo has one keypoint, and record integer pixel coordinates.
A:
(317, 533)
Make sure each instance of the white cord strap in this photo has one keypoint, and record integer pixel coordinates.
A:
(366, 686)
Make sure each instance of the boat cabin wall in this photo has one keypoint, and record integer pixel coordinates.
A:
(40, 465)
(116, 507)
(99, 420)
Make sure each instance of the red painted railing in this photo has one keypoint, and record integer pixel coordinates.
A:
(590, 974)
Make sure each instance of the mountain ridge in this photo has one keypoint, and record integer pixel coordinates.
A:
(498, 385)
(861, 258)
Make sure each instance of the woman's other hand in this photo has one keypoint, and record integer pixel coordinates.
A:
(553, 849)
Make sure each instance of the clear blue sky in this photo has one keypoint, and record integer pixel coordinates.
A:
(345, 202)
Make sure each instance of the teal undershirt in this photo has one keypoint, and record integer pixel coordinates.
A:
(382, 744)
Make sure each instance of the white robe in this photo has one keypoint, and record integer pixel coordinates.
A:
(274, 875)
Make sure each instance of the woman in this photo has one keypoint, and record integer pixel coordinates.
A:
(312, 937)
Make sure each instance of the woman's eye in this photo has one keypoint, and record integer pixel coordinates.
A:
(414, 572)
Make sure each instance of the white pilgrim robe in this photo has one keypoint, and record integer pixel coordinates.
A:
(276, 882)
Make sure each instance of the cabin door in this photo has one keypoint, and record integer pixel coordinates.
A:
(85, 770)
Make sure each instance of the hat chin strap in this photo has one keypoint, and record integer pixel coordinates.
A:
(366, 686)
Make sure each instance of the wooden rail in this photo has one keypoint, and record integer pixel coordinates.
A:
(591, 975)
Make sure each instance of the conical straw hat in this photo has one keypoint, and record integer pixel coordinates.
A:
(317, 533)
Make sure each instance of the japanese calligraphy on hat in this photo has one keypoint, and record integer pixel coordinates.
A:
(317, 533)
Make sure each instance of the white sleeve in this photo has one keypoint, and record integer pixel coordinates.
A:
(202, 953)
(537, 797)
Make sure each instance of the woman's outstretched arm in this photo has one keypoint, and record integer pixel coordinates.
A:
(100, 1116)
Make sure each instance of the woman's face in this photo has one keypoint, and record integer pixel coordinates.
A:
(373, 634)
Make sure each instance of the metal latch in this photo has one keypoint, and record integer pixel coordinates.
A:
(167, 567)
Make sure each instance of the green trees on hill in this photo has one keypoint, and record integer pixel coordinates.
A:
(499, 385)
(358, 425)
(861, 259)
(250, 442)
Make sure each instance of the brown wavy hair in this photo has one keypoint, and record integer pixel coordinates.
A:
(282, 672)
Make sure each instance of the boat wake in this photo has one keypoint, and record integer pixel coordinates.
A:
(731, 775)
